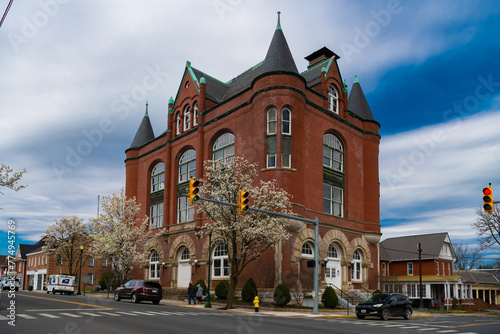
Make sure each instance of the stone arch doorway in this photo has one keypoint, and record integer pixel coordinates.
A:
(184, 268)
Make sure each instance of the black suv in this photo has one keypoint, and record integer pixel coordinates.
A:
(138, 290)
(429, 303)
(385, 305)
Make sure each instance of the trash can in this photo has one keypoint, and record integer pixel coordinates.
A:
(30, 288)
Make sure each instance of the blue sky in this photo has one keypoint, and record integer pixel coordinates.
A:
(75, 77)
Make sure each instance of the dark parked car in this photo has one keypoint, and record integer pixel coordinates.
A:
(385, 305)
(429, 303)
(138, 290)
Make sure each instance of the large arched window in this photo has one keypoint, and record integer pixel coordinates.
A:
(223, 147)
(356, 266)
(286, 122)
(187, 118)
(333, 99)
(307, 249)
(184, 255)
(271, 121)
(158, 177)
(154, 265)
(333, 252)
(333, 152)
(195, 114)
(221, 262)
(187, 166)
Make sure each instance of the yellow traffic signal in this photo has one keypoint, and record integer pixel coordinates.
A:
(488, 199)
(193, 191)
(243, 202)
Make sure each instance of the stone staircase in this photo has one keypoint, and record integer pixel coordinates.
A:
(351, 298)
(179, 294)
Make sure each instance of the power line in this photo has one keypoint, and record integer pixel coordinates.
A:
(6, 11)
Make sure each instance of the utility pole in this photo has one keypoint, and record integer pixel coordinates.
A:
(421, 305)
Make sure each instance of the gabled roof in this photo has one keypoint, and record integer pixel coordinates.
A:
(477, 276)
(26, 249)
(405, 248)
(357, 102)
(145, 132)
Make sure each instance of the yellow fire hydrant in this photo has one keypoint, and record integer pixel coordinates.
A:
(256, 303)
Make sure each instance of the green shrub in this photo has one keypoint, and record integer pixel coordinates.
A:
(376, 291)
(329, 298)
(249, 291)
(282, 295)
(202, 284)
(222, 289)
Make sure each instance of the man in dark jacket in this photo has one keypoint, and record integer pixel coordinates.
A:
(191, 293)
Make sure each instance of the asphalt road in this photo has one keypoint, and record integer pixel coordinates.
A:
(47, 313)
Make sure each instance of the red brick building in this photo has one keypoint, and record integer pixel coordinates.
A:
(303, 128)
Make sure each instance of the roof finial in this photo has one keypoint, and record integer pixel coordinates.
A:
(356, 79)
(146, 108)
(279, 25)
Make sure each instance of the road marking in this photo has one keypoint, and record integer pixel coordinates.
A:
(25, 316)
(48, 315)
(448, 331)
(71, 315)
(90, 314)
(141, 313)
(128, 313)
(65, 301)
(427, 329)
(469, 325)
(109, 313)
(3, 317)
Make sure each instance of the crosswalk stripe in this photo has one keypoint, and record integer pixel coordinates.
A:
(25, 316)
(448, 331)
(48, 315)
(109, 313)
(71, 315)
(141, 313)
(3, 317)
(427, 329)
(128, 313)
(90, 314)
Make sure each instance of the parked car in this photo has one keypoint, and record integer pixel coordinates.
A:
(428, 303)
(138, 290)
(7, 282)
(385, 305)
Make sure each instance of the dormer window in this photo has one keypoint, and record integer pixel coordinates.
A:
(187, 84)
(333, 99)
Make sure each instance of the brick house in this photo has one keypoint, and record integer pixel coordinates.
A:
(400, 269)
(320, 143)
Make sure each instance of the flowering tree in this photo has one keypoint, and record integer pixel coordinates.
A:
(65, 238)
(10, 181)
(119, 235)
(247, 236)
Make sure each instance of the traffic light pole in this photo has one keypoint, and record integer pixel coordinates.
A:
(314, 221)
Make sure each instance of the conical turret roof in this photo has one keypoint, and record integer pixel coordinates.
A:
(279, 57)
(357, 102)
(145, 132)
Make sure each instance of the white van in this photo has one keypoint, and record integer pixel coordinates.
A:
(61, 283)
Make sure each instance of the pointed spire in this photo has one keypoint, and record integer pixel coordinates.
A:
(279, 57)
(357, 102)
(145, 132)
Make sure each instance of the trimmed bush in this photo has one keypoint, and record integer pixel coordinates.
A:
(329, 298)
(222, 289)
(202, 284)
(249, 291)
(282, 295)
(376, 291)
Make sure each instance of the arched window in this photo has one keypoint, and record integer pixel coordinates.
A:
(271, 121)
(195, 114)
(307, 249)
(187, 166)
(224, 147)
(158, 177)
(333, 99)
(187, 118)
(333, 152)
(184, 255)
(154, 265)
(286, 120)
(332, 252)
(185, 212)
(221, 262)
(178, 123)
(356, 266)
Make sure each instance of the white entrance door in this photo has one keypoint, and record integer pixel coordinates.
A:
(333, 274)
(184, 269)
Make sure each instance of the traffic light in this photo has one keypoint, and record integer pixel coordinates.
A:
(193, 191)
(243, 202)
(488, 199)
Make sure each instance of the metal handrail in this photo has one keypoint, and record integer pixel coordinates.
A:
(368, 291)
(342, 293)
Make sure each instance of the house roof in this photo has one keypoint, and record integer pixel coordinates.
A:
(26, 249)
(145, 132)
(405, 248)
(478, 276)
(357, 102)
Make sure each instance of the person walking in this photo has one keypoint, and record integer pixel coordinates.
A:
(199, 293)
(191, 292)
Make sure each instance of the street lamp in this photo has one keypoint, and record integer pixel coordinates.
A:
(208, 304)
(80, 274)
